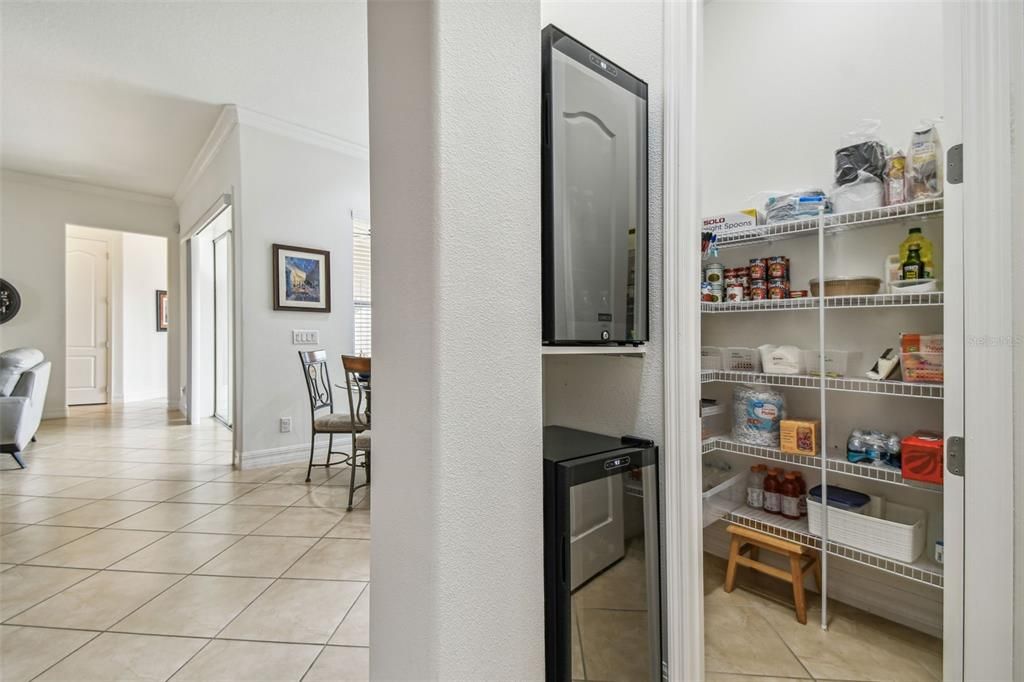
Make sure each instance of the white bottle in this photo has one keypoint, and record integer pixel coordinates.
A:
(755, 486)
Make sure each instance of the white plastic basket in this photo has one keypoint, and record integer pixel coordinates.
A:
(724, 498)
(899, 534)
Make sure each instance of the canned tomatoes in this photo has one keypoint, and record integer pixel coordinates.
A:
(758, 268)
(778, 289)
(778, 267)
(758, 290)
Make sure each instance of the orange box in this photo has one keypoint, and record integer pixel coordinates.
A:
(921, 457)
(799, 436)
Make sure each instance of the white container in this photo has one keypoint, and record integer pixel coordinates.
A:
(710, 357)
(913, 286)
(714, 421)
(899, 534)
(838, 363)
(739, 359)
(724, 498)
(781, 359)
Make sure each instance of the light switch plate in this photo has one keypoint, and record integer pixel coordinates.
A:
(305, 337)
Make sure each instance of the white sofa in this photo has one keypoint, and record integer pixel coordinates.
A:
(24, 375)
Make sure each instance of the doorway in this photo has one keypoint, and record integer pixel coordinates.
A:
(87, 309)
(222, 328)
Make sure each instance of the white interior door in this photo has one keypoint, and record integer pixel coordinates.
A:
(87, 315)
(596, 527)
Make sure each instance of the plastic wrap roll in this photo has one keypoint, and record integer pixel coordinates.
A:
(757, 412)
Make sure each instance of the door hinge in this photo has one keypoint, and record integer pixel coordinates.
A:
(955, 164)
(955, 455)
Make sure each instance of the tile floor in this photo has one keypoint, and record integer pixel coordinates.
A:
(131, 550)
(752, 635)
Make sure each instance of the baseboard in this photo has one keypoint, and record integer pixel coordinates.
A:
(287, 454)
(902, 601)
(58, 413)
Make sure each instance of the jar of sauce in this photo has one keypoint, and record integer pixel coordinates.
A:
(790, 494)
(772, 491)
(803, 493)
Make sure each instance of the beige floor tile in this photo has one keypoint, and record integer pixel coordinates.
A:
(177, 472)
(296, 475)
(156, 491)
(31, 541)
(304, 611)
(99, 488)
(355, 525)
(310, 522)
(198, 606)
(97, 514)
(729, 677)
(166, 516)
(738, 639)
(332, 559)
(6, 567)
(26, 652)
(177, 553)
(97, 602)
(260, 475)
(37, 485)
(6, 528)
(326, 497)
(257, 556)
(11, 500)
(355, 629)
(341, 476)
(270, 494)
(24, 586)
(76, 467)
(99, 549)
(40, 509)
(233, 519)
(215, 492)
(340, 664)
(113, 656)
(230, 661)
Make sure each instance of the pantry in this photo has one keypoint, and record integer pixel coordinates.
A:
(827, 260)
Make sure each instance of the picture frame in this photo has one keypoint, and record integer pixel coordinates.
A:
(302, 279)
(162, 311)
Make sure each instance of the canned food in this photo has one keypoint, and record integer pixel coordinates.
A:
(714, 272)
(705, 292)
(743, 271)
(758, 268)
(734, 293)
(758, 290)
(778, 267)
(799, 293)
(777, 289)
(717, 294)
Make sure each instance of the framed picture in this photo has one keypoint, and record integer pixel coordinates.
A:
(161, 311)
(302, 279)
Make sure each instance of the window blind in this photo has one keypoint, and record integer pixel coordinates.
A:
(361, 285)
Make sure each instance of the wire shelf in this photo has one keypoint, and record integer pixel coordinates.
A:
(845, 384)
(836, 222)
(839, 465)
(932, 298)
(794, 530)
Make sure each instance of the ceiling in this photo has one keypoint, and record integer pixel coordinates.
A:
(123, 94)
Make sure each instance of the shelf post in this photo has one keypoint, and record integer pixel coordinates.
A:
(823, 444)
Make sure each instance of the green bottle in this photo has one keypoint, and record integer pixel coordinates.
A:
(913, 266)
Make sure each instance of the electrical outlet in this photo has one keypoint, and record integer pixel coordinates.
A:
(302, 337)
(286, 424)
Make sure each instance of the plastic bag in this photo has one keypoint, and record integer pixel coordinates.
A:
(757, 413)
(924, 163)
(801, 203)
(864, 193)
(860, 150)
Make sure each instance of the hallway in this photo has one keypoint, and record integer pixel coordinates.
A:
(131, 550)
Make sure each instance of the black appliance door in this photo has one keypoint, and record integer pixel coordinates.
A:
(596, 214)
(609, 587)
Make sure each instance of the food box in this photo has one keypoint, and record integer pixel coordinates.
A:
(838, 363)
(921, 358)
(710, 357)
(922, 457)
(739, 359)
(799, 436)
(737, 220)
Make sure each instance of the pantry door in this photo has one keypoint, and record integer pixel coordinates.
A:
(983, 91)
(87, 320)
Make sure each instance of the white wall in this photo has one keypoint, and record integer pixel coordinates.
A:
(144, 349)
(457, 558)
(35, 213)
(618, 395)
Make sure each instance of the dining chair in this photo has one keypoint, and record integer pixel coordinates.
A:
(321, 397)
(357, 384)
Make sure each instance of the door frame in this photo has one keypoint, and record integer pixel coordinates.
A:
(979, 640)
(228, 236)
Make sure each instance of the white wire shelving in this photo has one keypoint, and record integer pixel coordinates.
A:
(876, 473)
(932, 298)
(836, 222)
(796, 530)
(846, 384)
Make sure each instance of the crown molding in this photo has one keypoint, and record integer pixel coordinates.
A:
(271, 124)
(13, 175)
(226, 122)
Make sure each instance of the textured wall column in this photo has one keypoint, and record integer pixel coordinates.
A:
(457, 557)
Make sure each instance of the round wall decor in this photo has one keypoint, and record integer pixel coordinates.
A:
(10, 301)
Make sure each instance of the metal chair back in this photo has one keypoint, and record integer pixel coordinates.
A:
(357, 381)
(318, 380)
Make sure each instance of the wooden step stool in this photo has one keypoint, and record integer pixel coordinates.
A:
(801, 560)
